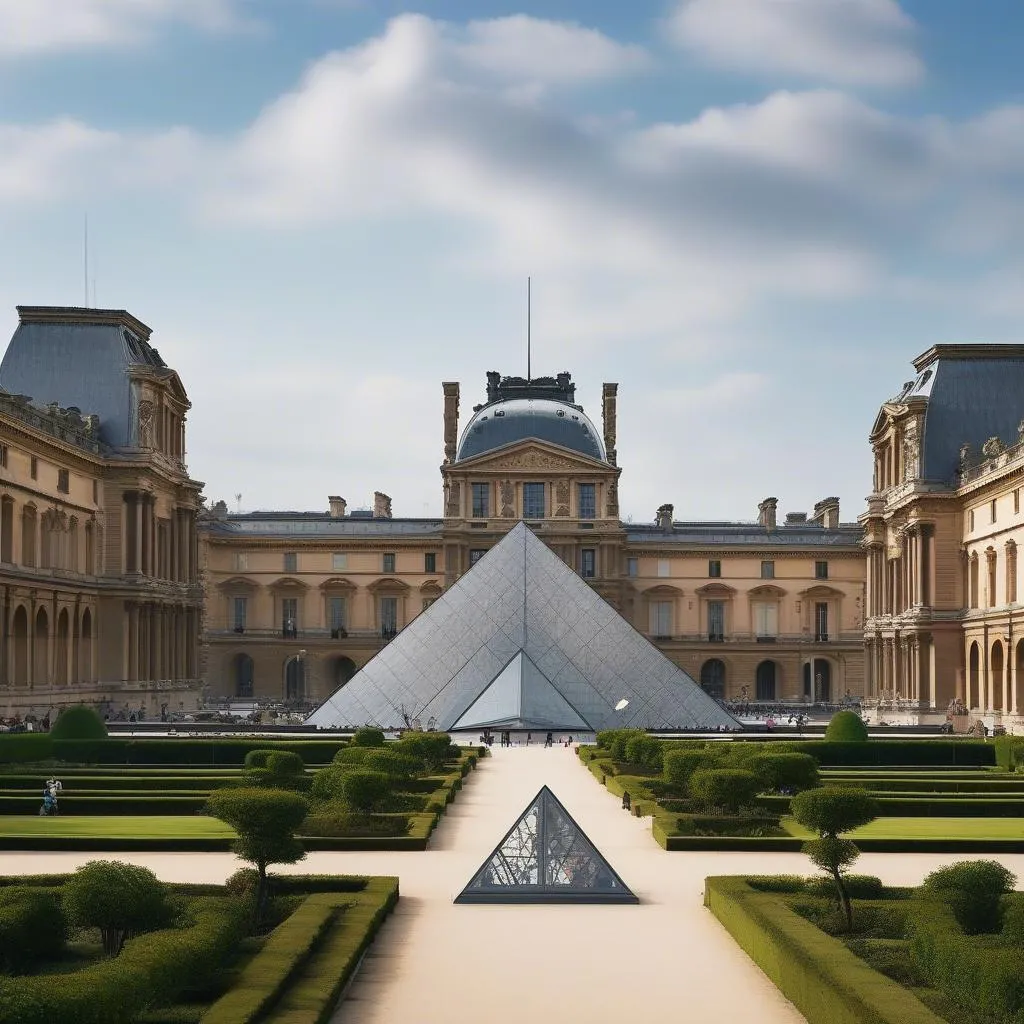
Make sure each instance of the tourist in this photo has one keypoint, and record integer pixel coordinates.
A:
(627, 802)
(549, 740)
(529, 736)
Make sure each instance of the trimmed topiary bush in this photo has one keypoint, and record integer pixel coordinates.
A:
(973, 890)
(644, 751)
(32, 927)
(365, 791)
(678, 766)
(431, 748)
(780, 771)
(846, 727)
(729, 788)
(392, 763)
(832, 810)
(368, 737)
(79, 722)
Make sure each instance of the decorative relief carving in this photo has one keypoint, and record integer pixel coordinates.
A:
(146, 424)
(562, 498)
(911, 451)
(992, 447)
(508, 503)
(454, 498)
(612, 506)
(532, 460)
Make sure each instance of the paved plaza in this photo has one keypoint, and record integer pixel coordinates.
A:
(666, 958)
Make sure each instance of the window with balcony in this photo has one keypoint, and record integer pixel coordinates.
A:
(388, 562)
(661, 618)
(821, 621)
(339, 562)
(430, 561)
(63, 481)
(714, 568)
(821, 570)
(475, 554)
(388, 617)
(290, 616)
(632, 566)
(533, 501)
(291, 561)
(768, 570)
(336, 616)
(588, 563)
(716, 621)
(587, 496)
(766, 620)
(239, 611)
(481, 494)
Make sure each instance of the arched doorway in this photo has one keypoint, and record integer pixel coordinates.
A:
(295, 679)
(342, 670)
(85, 648)
(19, 634)
(712, 678)
(63, 666)
(1018, 679)
(243, 675)
(996, 675)
(818, 681)
(41, 649)
(973, 698)
(764, 681)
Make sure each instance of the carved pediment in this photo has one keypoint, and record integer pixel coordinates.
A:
(532, 457)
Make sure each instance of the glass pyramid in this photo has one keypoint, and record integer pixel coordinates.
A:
(546, 858)
(581, 658)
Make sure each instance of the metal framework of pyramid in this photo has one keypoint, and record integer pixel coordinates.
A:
(521, 641)
(546, 858)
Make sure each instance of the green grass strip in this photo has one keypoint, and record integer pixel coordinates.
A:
(926, 828)
(159, 826)
(825, 981)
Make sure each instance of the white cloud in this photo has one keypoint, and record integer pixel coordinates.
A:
(850, 42)
(53, 26)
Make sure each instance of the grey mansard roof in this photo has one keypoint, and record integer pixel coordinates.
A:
(318, 524)
(522, 625)
(752, 535)
(516, 419)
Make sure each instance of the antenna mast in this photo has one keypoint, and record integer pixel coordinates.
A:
(529, 376)
(85, 260)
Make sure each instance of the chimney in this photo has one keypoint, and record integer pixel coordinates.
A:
(608, 396)
(338, 506)
(767, 513)
(381, 505)
(796, 518)
(451, 419)
(826, 512)
(665, 517)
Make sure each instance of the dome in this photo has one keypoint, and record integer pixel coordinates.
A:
(516, 419)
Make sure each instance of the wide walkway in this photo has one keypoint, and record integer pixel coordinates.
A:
(667, 958)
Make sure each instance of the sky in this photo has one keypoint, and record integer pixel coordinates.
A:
(751, 214)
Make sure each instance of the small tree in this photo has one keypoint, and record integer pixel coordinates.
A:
(265, 820)
(79, 722)
(367, 737)
(846, 727)
(973, 890)
(429, 747)
(365, 791)
(729, 788)
(830, 811)
(121, 900)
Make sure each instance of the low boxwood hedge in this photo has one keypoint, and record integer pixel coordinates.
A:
(25, 747)
(926, 753)
(187, 751)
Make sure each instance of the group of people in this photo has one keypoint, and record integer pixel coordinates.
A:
(51, 791)
(549, 739)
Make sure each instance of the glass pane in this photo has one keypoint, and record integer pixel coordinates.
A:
(533, 501)
(481, 500)
(588, 501)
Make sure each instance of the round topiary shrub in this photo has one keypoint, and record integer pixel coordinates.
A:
(32, 927)
(365, 791)
(645, 751)
(79, 722)
(790, 772)
(392, 763)
(367, 737)
(846, 727)
(973, 890)
(679, 766)
(284, 763)
(728, 788)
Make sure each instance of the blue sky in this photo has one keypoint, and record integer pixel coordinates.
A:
(752, 214)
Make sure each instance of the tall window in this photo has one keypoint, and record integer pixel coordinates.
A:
(632, 566)
(291, 561)
(588, 563)
(664, 568)
(475, 554)
(716, 620)
(430, 561)
(821, 621)
(992, 510)
(714, 568)
(990, 556)
(661, 618)
(95, 492)
(481, 500)
(389, 616)
(64, 481)
(290, 616)
(336, 614)
(33, 467)
(767, 570)
(1011, 572)
(821, 570)
(241, 561)
(587, 494)
(970, 520)
(3, 456)
(388, 562)
(339, 561)
(766, 620)
(1016, 500)
(533, 501)
(239, 614)
(973, 583)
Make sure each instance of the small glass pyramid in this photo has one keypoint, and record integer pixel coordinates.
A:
(546, 858)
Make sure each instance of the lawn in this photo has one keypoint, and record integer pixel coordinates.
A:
(927, 828)
(195, 826)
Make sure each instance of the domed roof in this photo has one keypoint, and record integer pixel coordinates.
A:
(516, 419)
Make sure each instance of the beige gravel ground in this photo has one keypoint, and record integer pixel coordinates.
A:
(667, 959)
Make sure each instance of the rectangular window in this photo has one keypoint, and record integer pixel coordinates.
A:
(632, 566)
(1016, 499)
(970, 520)
(33, 468)
(388, 562)
(339, 562)
(239, 613)
(767, 570)
(661, 618)
(766, 620)
(64, 481)
(664, 568)
(821, 621)
(290, 616)
(430, 561)
(588, 563)
(821, 570)
(587, 494)
(3, 456)
(533, 501)
(291, 561)
(95, 492)
(992, 510)
(336, 615)
(481, 500)
(475, 554)
(714, 568)
(389, 616)
(241, 561)
(716, 621)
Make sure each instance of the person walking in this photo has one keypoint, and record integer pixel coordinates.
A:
(529, 736)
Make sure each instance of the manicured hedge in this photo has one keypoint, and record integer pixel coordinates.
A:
(32, 926)
(825, 981)
(25, 747)
(1009, 752)
(182, 751)
(121, 804)
(900, 752)
(94, 785)
(926, 806)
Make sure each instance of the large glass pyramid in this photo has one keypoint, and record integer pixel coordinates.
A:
(457, 661)
(545, 858)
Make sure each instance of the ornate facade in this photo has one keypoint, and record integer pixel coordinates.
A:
(941, 531)
(98, 542)
(298, 601)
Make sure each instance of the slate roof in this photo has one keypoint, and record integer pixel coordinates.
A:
(318, 524)
(517, 419)
(699, 535)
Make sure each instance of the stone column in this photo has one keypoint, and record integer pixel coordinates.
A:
(133, 641)
(451, 419)
(608, 415)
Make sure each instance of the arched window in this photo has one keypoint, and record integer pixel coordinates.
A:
(295, 679)
(28, 536)
(712, 678)
(19, 631)
(342, 671)
(764, 681)
(973, 693)
(818, 681)
(63, 655)
(243, 673)
(41, 649)
(85, 648)
(996, 674)
(7, 529)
